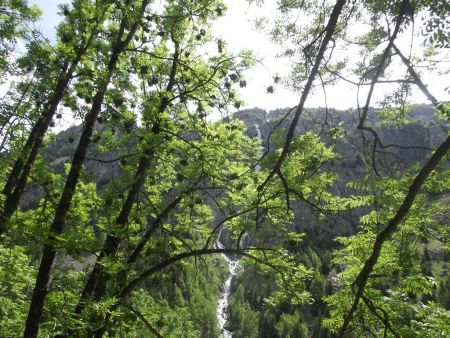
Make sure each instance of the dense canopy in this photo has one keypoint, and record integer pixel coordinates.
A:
(166, 210)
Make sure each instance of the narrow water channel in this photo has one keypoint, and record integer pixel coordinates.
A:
(222, 306)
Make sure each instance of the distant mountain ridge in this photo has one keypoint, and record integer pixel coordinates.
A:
(415, 139)
(421, 132)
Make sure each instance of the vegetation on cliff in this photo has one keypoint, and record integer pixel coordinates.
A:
(112, 228)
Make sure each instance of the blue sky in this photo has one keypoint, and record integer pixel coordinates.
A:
(237, 28)
(50, 18)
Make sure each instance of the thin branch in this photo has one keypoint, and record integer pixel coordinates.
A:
(384, 319)
(378, 71)
(113, 160)
(330, 28)
(416, 78)
(147, 324)
(194, 253)
(382, 237)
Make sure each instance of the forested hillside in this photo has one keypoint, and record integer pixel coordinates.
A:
(166, 209)
(249, 314)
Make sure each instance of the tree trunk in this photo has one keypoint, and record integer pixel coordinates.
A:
(49, 252)
(18, 177)
(414, 189)
(329, 32)
(56, 228)
(97, 281)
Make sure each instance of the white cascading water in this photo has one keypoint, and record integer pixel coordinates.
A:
(222, 306)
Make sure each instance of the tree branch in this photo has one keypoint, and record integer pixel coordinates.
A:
(330, 28)
(383, 236)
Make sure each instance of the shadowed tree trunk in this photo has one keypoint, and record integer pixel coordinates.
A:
(18, 177)
(402, 212)
(56, 228)
(97, 281)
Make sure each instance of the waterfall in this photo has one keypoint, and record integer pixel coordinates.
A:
(222, 305)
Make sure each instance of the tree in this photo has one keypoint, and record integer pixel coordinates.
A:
(16, 18)
(54, 69)
(184, 151)
(379, 45)
(137, 74)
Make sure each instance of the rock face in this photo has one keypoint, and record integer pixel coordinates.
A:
(421, 133)
(406, 144)
(61, 150)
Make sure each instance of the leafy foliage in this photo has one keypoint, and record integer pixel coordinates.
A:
(118, 223)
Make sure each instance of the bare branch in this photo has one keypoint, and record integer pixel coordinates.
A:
(330, 28)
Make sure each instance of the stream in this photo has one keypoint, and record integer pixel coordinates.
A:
(222, 305)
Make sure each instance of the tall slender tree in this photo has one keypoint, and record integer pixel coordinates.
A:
(67, 55)
(129, 22)
(145, 78)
